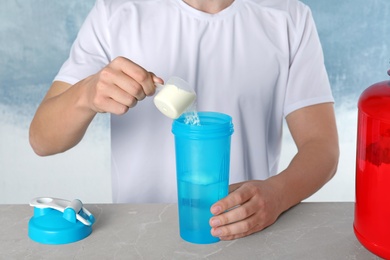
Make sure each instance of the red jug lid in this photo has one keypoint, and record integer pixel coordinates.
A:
(375, 100)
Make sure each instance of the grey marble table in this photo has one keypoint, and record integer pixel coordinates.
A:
(150, 231)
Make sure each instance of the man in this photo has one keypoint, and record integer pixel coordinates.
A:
(257, 60)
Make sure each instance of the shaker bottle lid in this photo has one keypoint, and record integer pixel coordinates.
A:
(58, 221)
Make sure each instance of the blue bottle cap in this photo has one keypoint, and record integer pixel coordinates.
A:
(58, 221)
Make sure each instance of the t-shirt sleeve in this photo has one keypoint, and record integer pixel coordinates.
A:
(90, 51)
(308, 82)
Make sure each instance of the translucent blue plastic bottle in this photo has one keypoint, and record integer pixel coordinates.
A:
(202, 167)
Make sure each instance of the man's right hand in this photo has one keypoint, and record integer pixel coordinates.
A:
(66, 111)
(119, 86)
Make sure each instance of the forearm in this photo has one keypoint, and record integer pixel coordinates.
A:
(312, 167)
(253, 205)
(61, 120)
(66, 111)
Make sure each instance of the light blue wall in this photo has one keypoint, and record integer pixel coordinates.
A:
(355, 35)
(35, 38)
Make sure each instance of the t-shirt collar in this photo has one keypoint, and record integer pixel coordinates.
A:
(230, 10)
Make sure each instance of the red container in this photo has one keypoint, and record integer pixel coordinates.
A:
(372, 206)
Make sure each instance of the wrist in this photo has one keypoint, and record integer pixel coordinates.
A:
(281, 193)
(83, 97)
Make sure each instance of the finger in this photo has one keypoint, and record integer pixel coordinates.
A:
(131, 87)
(238, 197)
(255, 229)
(235, 186)
(237, 229)
(110, 98)
(123, 98)
(235, 215)
(124, 82)
(156, 79)
(109, 105)
(136, 72)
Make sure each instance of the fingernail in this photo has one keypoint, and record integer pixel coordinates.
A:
(216, 210)
(215, 222)
(217, 233)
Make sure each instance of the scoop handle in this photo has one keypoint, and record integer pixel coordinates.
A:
(159, 86)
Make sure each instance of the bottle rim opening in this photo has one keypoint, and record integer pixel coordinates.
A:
(212, 125)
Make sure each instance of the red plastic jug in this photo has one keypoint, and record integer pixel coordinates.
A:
(372, 205)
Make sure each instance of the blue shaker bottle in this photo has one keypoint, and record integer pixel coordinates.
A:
(202, 168)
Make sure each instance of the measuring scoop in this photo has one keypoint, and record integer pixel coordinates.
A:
(174, 98)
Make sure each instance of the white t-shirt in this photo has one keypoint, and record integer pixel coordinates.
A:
(257, 61)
